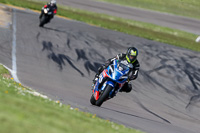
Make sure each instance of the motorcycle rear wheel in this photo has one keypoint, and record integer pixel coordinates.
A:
(104, 95)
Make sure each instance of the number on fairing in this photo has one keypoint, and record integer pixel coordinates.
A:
(100, 78)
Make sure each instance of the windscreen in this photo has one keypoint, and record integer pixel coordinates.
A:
(121, 65)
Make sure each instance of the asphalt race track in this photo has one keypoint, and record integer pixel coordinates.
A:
(60, 61)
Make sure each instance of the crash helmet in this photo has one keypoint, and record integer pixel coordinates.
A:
(131, 54)
(53, 2)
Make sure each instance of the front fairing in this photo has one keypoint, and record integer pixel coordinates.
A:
(116, 73)
(48, 11)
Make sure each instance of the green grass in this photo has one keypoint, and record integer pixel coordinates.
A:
(140, 29)
(189, 8)
(3, 70)
(22, 112)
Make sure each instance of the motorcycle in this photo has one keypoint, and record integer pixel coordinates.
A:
(110, 81)
(46, 16)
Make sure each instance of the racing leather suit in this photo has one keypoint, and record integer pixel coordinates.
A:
(52, 7)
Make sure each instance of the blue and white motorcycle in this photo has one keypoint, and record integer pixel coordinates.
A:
(110, 81)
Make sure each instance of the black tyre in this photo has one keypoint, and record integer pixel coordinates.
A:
(92, 100)
(104, 95)
(42, 21)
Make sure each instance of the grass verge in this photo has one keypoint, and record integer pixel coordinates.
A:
(189, 8)
(140, 29)
(22, 112)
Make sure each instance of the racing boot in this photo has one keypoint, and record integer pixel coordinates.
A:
(126, 88)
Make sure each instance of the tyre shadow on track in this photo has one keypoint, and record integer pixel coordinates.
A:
(48, 28)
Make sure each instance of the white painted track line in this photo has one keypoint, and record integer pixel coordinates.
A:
(14, 60)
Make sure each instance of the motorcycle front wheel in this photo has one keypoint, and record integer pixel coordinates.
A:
(104, 95)
(92, 100)
(42, 21)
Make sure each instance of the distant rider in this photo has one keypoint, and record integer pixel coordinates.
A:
(130, 57)
(52, 6)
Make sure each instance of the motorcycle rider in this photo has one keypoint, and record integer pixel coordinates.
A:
(52, 5)
(130, 57)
